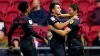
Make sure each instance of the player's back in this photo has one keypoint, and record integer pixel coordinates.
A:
(24, 23)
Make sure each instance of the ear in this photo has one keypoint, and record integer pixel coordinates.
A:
(53, 10)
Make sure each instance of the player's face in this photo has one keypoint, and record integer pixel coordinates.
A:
(57, 9)
(71, 11)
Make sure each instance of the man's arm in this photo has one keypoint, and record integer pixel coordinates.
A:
(61, 32)
(13, 27)
(53, 21)
(31, 31)
(72, 23)
(83, 39)
(64, 15)
(61, 25)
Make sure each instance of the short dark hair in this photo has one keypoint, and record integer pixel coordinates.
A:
(52, 6)
(98, 0)
(23, 6)
(75, 7)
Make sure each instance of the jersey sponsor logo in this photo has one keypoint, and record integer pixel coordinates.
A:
(53, 19)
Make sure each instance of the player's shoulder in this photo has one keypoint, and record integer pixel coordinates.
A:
(29, 21)
(26, 18)
(52, 18)
(74, 21)
(16, 19)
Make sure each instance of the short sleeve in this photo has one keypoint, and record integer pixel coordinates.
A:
(52, 20)
(29, 22)
(73, 23)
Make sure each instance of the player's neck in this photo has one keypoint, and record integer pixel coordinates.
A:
(26, 14)
(55, 15)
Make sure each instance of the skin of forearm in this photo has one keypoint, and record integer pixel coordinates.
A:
(62, 25)
(55, 30)
(65, 15)
(60, 32)
(82, 38)
(51, 28)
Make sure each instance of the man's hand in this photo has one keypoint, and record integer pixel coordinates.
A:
(46, 41)
(51, 28)
(10, 48)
